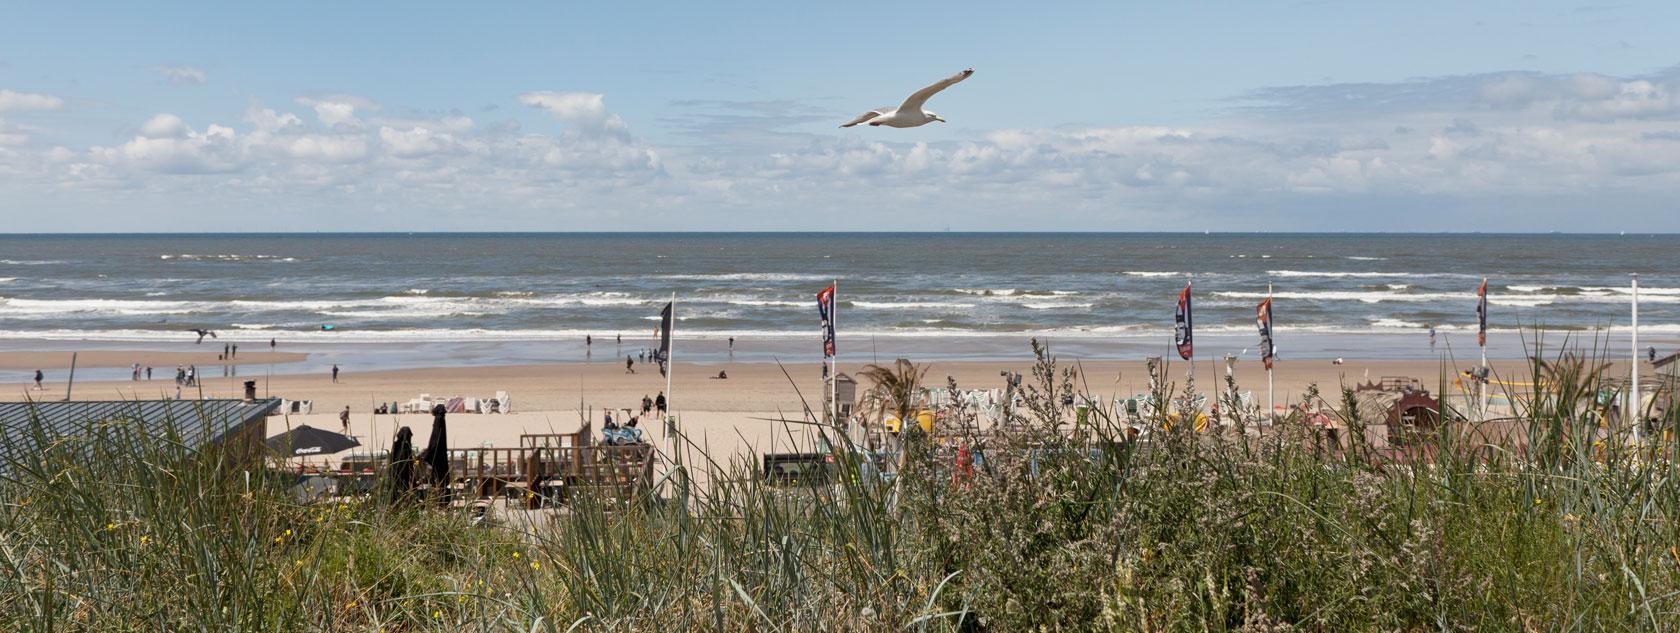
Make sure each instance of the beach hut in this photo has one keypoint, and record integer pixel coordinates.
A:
(194, 423)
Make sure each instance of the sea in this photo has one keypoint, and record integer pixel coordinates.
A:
(394, 300)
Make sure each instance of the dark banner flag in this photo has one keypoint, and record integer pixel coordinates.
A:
(1263, 316)
(1481, 314)
(664, 333)
(825, 310)
(1182, 326)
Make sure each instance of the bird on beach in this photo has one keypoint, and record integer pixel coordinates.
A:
(909, 113)
(202, 334)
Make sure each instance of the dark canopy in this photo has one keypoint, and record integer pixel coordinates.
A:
(308, 440)
(436, 455)
(402, 463)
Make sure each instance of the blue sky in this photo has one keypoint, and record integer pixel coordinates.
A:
(608, 116)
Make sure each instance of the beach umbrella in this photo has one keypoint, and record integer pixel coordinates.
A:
(402, 463)
(308, 440)
(436, 455)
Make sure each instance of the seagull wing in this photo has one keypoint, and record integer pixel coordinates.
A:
(866, 116)
(920, 97)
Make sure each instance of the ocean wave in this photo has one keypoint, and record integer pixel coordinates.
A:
(1142, 273)
(1057, 306)
(57, 307)
(745, 277)
(907, 305)
(226, 258)
(1361, 258)
(1341, 274)
(31, 262)
(7, 280)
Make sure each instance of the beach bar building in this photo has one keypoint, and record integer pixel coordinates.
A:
(28, 426)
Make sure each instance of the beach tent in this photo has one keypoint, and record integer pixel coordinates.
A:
(436, 455)
(308, 440)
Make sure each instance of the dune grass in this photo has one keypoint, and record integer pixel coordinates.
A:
(1064, 526)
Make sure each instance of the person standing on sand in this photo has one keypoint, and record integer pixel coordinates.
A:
(647, 404)
(335, 372)
(148, 372)
(235, 353)
(38, 378)
(659, 403)
(344, 420)
(732, 345)
(270, 345)
(1431, 337)
(629, 365)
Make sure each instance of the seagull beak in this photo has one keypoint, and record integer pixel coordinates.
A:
(939, 119)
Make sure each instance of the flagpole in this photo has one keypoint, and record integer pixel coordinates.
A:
(1271, 406)
(670, 401)
(834, 359)
(1487, 378)
(1633, 389)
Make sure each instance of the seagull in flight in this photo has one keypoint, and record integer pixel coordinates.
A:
(202, 334)
(909, 113)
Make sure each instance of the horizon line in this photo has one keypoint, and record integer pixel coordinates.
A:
(812, 232)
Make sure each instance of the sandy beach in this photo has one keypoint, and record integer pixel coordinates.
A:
(731, 416)
(157, 360)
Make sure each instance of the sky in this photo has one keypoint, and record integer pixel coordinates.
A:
(599, 116)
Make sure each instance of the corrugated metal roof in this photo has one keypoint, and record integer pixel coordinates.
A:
(195, 423)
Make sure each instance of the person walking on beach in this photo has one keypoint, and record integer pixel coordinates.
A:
(134, 372)
(271, 345)
(588, 340)
(235, 353)
(344, 420)
(1432, 337)
(192, 374)
(629, 364)
(647, 404)
(659, 403)
(180, 375)
(148, 372)
(38, 378)
(335, 372)
(731, 346)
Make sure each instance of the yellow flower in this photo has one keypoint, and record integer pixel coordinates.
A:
(352, 605)
(534, 565)
(288, 532)
(516, 554)
(110, 526)
(437, 615)
(145, 539)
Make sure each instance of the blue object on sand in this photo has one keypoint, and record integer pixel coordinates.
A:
(328, 327)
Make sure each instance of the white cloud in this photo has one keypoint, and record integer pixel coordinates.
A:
(337, 109)
(181, 75)
(26, 101)
(164, 126)
(585, 111)
(1427, 150)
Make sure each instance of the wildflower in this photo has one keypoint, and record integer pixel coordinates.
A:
(145, 539)
(110, 526)
(534, 565)
(516, 554)
(437, 615)
(351, 605)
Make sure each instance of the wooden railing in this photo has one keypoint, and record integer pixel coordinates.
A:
(553, 473)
